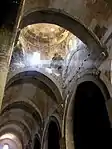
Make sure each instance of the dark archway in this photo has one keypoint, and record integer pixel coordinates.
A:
(36, 143)
(90, 117)
(53, 136)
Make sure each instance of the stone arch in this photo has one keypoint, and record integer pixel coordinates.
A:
(96, 80)
(24, 106)
(68, 119)
(107, 83)
(3, 129)
(36, 142)
(41, 77)
(14, 130)
(55, 119)
(66, 21)
(45, 138)
(30, 113)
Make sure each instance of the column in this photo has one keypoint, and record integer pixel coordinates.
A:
(11, 16)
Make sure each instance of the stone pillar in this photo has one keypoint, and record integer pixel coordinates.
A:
(5, 47)
(62, 143)
(8, 31)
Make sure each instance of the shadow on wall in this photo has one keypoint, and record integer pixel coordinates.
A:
(90, 117)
